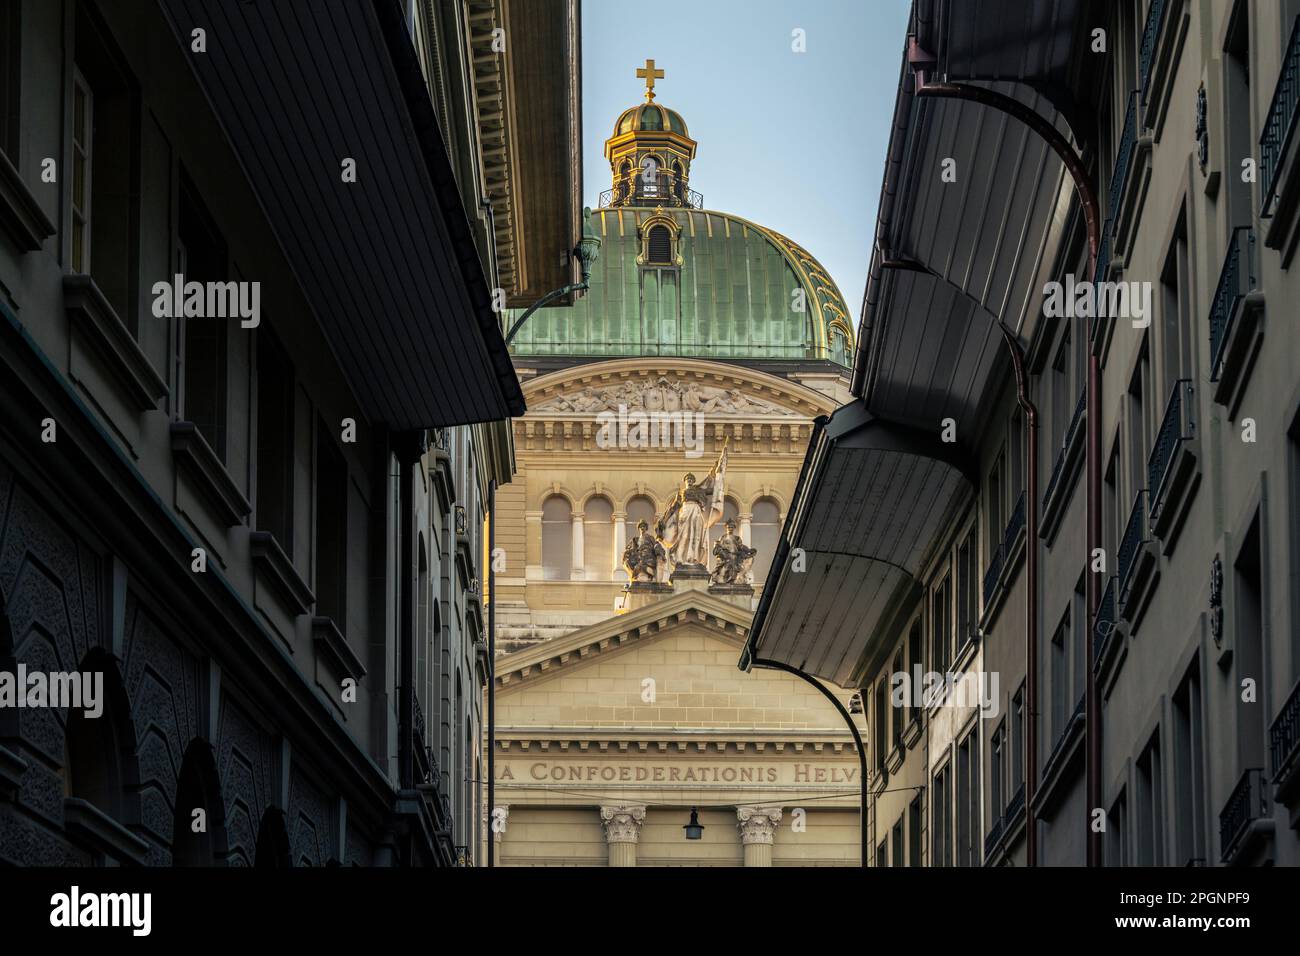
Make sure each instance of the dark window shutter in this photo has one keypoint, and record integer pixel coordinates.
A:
(661, 245)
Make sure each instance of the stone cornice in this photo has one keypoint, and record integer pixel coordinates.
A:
(667, 740)
(783, 392)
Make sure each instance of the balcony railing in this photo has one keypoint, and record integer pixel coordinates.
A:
(664, 191)
(1248, 802)
(440, 440)
(462, 523)
(1059, 467)
(1135, 535)
(1104, 626)
(1016, 805)
(1235, 280)
(1155, 15)
(1176, 428)
(1123, 157)
(1281, 119)
(1284, 736)
(1003, 552)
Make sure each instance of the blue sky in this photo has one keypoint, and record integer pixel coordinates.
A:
(794, 141)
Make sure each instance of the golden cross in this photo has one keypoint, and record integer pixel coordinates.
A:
(649, 74)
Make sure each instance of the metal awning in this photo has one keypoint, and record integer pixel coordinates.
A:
(388, 263)
(954, 261)
(872, 495)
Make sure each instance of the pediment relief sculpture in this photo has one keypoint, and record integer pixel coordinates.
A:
(663, 394)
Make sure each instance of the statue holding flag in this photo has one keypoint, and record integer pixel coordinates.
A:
(684, 528)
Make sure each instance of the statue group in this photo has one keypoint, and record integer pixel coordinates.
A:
(680, 543)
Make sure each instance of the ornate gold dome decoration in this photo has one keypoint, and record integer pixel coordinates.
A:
(650, 153)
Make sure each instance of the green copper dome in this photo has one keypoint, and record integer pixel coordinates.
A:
(696, 283)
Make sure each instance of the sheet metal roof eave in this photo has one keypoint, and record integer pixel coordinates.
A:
(438, 162)
(507, 397)
(844, 427)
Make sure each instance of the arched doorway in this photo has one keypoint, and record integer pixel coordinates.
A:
(272, 840)
(199, 788)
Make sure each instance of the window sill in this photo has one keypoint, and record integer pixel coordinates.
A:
(270, 560)
(88, 310)
(333, 647)
(192, 451)
(101, 833)
(20, 213)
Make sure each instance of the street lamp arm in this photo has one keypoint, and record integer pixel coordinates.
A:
(542, 303)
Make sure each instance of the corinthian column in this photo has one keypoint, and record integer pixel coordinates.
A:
(757, 830)
(622, 828)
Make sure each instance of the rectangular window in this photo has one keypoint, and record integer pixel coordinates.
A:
(1079, 632)
(882, 724)
(104, 178)
(331, 528)
(201, 257)
(967, 590)
(969, 843)
(1015, 475)
(941, 820)
(1293, 506)
(1248, 592)
(941, 625)
(897, 717)
(1062, 405)
(1059, 665)
(1017, 743)
(1236, 113)
(896, 843)
(275, 439)
(997, 772)
(1177, 322)
(10, 36)
(882, 854)
(916, 664)
(1189, 771)
(1139, 406)
(915, 818)
(1149, 809)
(996, 507)
(1116, 849)
(83, 106)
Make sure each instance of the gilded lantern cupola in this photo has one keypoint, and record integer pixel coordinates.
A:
(650, 153)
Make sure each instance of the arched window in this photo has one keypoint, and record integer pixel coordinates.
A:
(624, 179)
(639, 508)
(557, 539)
(598, 539)
(99, 764)
(764, 532)
(839, 346)
(659, 249)
(272, 841)
(198, 788)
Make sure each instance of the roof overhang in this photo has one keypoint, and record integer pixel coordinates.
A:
(387, 263)
(955, 260)
(872, 496)
(530, 123)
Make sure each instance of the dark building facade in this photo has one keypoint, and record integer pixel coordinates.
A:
(261, 526)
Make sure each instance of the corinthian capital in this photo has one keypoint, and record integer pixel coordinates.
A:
(622, 822)
(757, 824)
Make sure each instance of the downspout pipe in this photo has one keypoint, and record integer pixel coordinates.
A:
(1092, 220)
(492, 672)
(857, 740)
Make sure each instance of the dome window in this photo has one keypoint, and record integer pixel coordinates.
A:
(651, 118)
(660, 246)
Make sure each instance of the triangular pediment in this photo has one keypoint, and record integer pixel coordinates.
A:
(657, 673)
